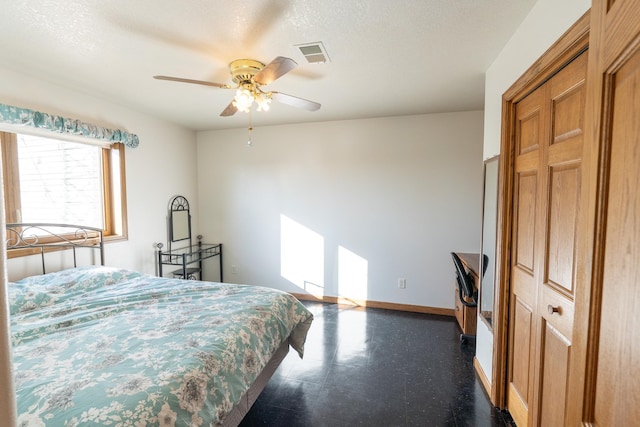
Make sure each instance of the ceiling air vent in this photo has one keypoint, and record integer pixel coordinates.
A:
(314, 52)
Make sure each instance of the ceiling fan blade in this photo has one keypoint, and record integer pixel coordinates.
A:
(197, 82)
(274, 70)
(294, 101)
(262, 22)
(229, 111)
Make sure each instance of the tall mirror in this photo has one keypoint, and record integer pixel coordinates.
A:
(489, 229)
(179, 220)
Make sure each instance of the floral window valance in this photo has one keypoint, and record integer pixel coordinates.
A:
(24, 117)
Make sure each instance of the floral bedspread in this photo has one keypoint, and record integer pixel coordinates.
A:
(106, 346)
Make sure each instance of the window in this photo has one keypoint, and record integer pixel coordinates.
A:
(54, 181)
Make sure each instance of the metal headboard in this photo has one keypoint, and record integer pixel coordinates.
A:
(50, 236)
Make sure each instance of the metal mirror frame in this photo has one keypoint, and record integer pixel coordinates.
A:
(488, 240)
(179, 220)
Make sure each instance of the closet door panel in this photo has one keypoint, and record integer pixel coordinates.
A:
(521, 345)
(564, 183)
(529, 124)
(555, 361)
(568, 93)
(525, 218)
(520, 369)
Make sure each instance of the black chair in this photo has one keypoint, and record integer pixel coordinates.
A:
(485, 264)
(467, 292)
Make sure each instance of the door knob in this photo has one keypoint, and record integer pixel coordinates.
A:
(551, 309)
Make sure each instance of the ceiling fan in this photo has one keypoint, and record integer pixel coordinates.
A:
(250, 75)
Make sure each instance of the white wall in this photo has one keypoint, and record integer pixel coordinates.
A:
(546, 22)
(161, 166)
(371, 201)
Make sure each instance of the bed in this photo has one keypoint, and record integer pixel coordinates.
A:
(96, 345)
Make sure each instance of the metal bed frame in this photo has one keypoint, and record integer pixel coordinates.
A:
(50, 236)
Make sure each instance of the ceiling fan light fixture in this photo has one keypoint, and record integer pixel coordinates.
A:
(263, 100)
(243, 100)
(248, 94)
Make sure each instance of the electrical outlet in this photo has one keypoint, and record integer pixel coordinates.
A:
(234, 269)
(402, 283)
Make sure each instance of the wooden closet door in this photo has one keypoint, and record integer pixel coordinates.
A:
(612, 311)
(531, 130)
(549, 136)
(560, 203)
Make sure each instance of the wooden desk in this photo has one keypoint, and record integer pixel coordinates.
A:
(468, 316)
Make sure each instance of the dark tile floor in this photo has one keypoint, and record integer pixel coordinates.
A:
(375, 367)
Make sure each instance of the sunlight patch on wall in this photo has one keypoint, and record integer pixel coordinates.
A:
(353, 275)
(301, 256)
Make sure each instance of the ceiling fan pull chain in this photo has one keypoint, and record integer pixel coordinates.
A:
(249, 143)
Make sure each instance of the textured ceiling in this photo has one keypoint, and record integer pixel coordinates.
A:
(388, 57)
